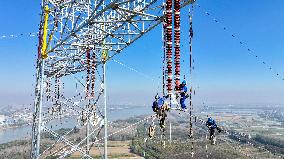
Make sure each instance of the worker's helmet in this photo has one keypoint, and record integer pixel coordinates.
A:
(210, 119)
(156, 96)
(184, 82)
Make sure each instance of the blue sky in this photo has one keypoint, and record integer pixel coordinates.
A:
(224, 71)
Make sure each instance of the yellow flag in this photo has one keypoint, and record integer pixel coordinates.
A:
(45, 27)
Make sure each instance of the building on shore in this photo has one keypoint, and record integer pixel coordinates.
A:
(2, 119)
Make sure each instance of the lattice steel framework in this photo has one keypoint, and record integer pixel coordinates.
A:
(80, 36)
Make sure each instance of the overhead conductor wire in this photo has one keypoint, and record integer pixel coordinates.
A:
(190, 65)
(243, 44)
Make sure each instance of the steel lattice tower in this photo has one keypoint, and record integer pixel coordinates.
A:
(76, 39)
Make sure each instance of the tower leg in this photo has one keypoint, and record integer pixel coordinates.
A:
(105, 113)
(37, 116)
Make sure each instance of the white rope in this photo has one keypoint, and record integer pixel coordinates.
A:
(138, 72)
(124, 129)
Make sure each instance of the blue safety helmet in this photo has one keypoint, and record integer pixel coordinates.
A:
(210, 120)
(184, 82)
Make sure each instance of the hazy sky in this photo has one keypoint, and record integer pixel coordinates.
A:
(224, 71)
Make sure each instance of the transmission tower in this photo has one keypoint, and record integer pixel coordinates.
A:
(76, 39)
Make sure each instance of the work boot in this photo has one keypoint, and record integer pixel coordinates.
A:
(151, 132)
(162, 124)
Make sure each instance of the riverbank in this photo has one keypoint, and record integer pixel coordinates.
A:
(24, 131)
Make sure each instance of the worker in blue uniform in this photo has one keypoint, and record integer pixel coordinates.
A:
(183, 95)
(211, 124)
(160, 106)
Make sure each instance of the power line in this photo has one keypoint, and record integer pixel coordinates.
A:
(14, 36)
(242, 43)
(136, 71)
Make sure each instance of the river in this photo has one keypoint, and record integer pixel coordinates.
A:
(24, 132)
